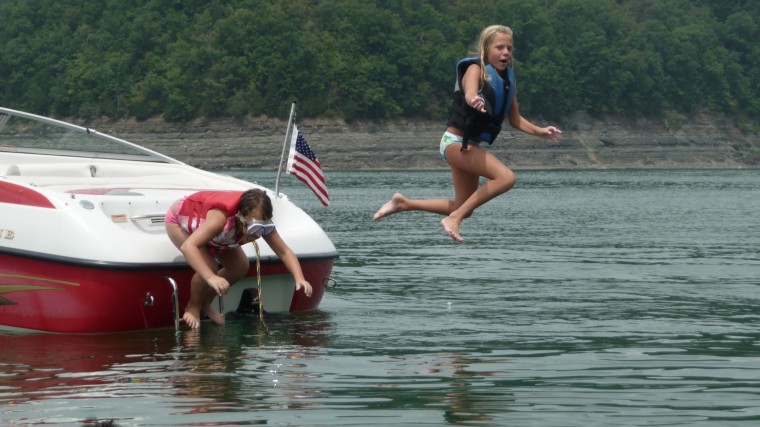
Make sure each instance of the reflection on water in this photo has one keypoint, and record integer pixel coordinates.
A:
(242, 373)
(579, 299)
(192, 372)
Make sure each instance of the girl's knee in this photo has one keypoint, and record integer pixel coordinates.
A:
(512, 179)
(507, 180)
(235, 272)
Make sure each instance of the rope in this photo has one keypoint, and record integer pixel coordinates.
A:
(258, 282)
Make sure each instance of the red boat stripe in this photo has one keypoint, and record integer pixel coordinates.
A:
(18, 195)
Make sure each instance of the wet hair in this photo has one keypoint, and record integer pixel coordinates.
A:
(487, 36)
(256, 199)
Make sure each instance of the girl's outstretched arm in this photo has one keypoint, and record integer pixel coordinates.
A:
(288, 257)
(524, 125)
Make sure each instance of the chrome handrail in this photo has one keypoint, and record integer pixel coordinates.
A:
(175, 297)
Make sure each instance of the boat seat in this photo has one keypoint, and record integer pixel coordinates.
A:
(118, 170)
(146, 181)
(68, 176)
(54, 169)
(9, 170)
(83, 170)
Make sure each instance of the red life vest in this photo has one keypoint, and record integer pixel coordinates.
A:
(193, 212)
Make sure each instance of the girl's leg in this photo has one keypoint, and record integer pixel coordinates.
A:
(234, 267)
(199, 294)
(199, 289)
(466, 169)
(235, 264)
(399, 203)
(176, 234)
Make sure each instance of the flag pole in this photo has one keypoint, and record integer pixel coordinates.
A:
(284, 145)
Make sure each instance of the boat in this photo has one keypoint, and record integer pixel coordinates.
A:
(83, 248)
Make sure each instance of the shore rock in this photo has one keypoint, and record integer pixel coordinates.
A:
(257, 143)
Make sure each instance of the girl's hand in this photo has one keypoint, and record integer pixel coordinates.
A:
(305, 285)
(220, 284)
(551, 132)
(478, 103)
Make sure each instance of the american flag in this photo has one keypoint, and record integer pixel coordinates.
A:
(304, 165)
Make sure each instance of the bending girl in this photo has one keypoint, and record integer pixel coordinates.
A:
(209, 228)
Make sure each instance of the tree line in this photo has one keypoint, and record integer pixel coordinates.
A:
(373, 59)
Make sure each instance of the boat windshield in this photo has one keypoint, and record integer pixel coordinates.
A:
(28, 133)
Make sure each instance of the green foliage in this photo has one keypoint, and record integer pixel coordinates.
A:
(380, 59)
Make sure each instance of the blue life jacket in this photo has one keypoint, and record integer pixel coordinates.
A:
(498, 94)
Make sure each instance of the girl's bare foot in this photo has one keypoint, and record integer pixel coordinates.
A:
(214, 315)
(192, 318)
(451, 226)
(391, 207)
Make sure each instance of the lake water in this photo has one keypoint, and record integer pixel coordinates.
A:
(580, 298)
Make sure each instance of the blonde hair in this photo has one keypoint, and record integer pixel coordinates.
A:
(487, 36)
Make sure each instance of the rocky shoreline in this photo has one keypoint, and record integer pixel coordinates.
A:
(257, 143)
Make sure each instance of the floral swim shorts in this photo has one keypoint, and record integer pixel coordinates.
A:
(450, 138)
